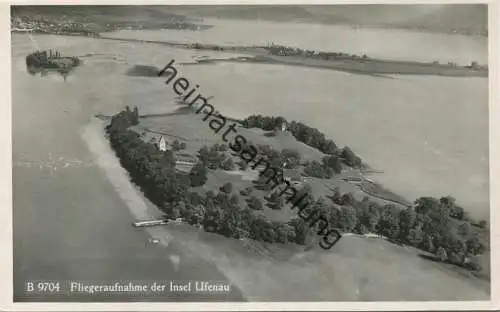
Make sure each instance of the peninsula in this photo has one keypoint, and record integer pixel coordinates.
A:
(356, 64)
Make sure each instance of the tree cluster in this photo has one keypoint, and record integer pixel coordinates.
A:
(150, 168)
(220, 213)
(305, 134)
(154, 172)
(325, 169)
(435, 225)
(287, 158)
(216, 157)
(430, 225)
(178, 146)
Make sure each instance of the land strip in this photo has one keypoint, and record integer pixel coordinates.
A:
(355, 65)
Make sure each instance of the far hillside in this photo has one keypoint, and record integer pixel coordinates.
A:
(456, 18)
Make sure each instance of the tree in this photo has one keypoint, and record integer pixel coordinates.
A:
(175, 213)
(458, 213)
(275, 201)
(213, 217)
(473, 264)
(350, 158)
(464, 229)
(221, 147)
(196, 215)
(329, 148)
(198, 175)
(348, 218)
(441, 254)
(135, 119)
(231, 221)
(389, 221)
(407, 220)
(482, 224)
(291, 158)
(300, 230)
(228, 164)
(317, 170)
(284, 232)
(332, 162)
(203, 154)
(255, 203)
(360, 229)
(347, 199)
(456, 257)
(447, 204)
(374, 216)
(234, 200)
(177, 146)
(243, 165)
(426, 205)
(475, 246)
(227, 188)
(247, 191)
(336, 196)
(415, 236)
(428, 244)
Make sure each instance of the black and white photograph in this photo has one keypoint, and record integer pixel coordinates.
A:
(250, 153)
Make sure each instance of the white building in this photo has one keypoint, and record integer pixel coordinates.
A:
(162, 144)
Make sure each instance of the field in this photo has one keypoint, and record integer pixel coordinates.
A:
(185, 126)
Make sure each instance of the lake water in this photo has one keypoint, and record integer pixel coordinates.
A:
(429, 134)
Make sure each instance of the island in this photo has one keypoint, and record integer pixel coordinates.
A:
(209, 186)
(44, 62)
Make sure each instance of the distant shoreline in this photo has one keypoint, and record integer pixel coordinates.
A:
(368, 66)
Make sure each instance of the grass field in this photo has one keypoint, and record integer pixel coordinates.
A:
(191, 129)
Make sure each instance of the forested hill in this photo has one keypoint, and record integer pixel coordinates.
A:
(456, 18)
(97, 12)
(451, 18)
(96, 19)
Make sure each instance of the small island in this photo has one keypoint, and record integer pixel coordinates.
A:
(44, 62)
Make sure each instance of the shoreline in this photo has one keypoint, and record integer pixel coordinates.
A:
(341, 199)
(224, 264)
(93, 134)
(364, 66)
(373, 67)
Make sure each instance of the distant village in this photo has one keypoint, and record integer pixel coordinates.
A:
(280, 50)
(43, 25)
(68, 26)
(291, 51)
